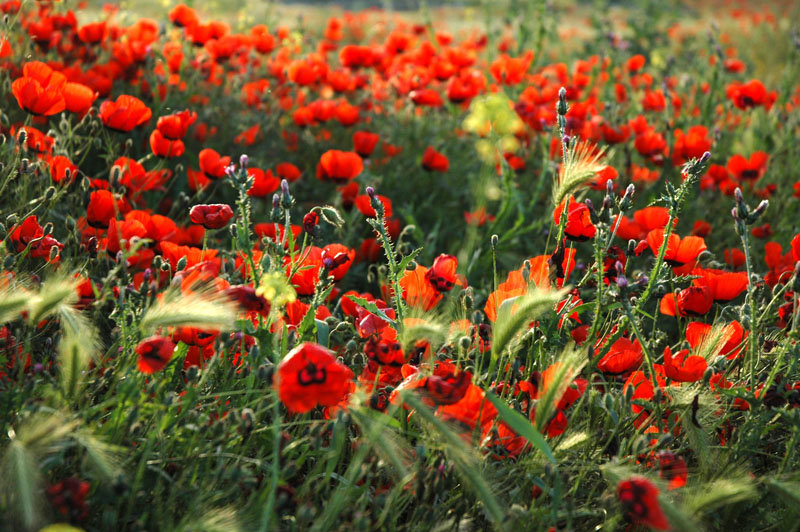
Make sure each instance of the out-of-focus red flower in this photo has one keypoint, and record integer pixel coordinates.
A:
(639, 498)
(339, 166)
(183, 16)
(102, 208)
(154, 353)
(212, 164)
(164, 147)
(434, 161)
(175, 126)
(364, 142)
(672, 468)
(124, 114)
(364, 205)
(748, 169)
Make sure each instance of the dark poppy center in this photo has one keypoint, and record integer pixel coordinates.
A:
(311, 374)
(749, 174)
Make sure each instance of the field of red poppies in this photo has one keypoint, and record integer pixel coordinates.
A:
(509, 266)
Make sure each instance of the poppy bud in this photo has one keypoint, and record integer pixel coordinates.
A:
(286, 198)
(244, 160)
(561, 106)
(310, 221)
(494, 240)
(212, 216)
(192, 373)
(181, 264)
(8, 263)
(12, 219)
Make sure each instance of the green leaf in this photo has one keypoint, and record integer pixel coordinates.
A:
(373, 308)
(521, 426)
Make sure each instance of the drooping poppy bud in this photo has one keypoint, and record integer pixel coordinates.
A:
(212, 216)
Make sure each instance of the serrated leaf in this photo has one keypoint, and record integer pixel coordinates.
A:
(373, 308)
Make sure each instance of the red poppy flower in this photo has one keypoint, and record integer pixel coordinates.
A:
(724, 286)
(442, 275)
(264, 182)
(426, 98)
(183, 16)
(683, 368)
(102, 208)
(247, 299)
(417, 291)
(364, 142)
(124, 114)
(624, 356)
(212, 216)
(694, 301)
(288, 171)
(338, 259)
(635, 63)
(748, 95)
(78, 98)
(92, 33)
(432, 161)
(212, 164)
(639, 498)
(748, 169)
(174, 126)
(731, 337)
(680, 251)
(309, 376)
(579, 221)
(164, 147)
(510, 70)
(37, 99)
(339, 166)
(154, 353)
(62, 170)
(119, 231)
(22, 234)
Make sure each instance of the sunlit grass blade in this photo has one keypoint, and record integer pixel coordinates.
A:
(203, 310)
(515, 314)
